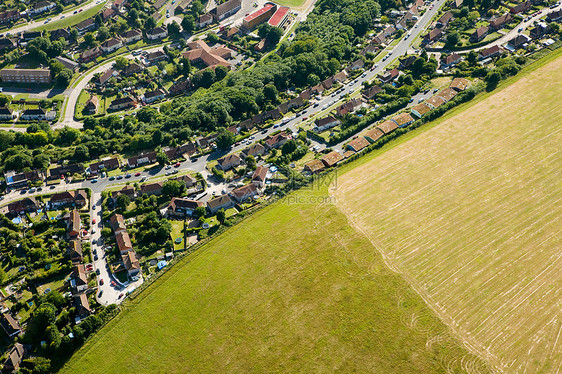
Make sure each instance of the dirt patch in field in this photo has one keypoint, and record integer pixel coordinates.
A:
(470, 213)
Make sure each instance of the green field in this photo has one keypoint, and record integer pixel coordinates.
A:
(291, 3)
(292, 288)
(470, 213)
(70, 20)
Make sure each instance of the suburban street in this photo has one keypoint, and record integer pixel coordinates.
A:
(34, 24)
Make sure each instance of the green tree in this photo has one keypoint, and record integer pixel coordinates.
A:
(81, 153)
(221, 216)
(103, 34)
(123, 202)
(5, 100)
(174, 29)
(270, 92)
(200, 212)
(225, 139)
(149, 24)
(212, 38)
(173, 188)
(162, 158)
(453, 38)
(41, 161)
(221, 72)
(121, 63)
(185, 66)
(251, 162)
(188, 24)
(89, 39)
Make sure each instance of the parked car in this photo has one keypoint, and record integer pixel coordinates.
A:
(168, 167)
(128, 175)
(98, 271)
(137, 174)
(95, 180)
(101, 282)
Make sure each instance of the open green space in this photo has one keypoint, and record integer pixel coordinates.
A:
(292, 288)
(291, 3)
(472, 219)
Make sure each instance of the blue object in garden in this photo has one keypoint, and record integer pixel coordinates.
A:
(30, 303)
(47, 267)
(17, 220)
(178, 240)
(47, 291)
(162, 264)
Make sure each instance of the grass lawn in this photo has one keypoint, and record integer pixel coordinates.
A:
(177, 232)
(472, 219)
(293, 288)
(71, 20)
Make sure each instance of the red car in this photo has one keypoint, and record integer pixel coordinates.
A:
(120, 296)
(113, 283)
(94, 220)
(137, 174)
(177, 164)
(101, 282)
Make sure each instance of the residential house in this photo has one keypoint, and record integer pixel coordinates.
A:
(187, 179)
(206, 141)
(104, 165)
(444, 20)
(108, 14)
(539, 30)
(111, 45)
(180, 87)
(181, 207)
(554, 16)
(357, 144)
(7, 44)
(183, 7)
(389, 75)
(259, 176)
(132, 36)
(60, 171)
(341, 76)
(433, 36)
(323, 124)
(387, 126)
(40, 7)
(489, 52)
(204, 20)
(6, 114)
(435, 101)
(78, 279)
(447, 94)
(33, 115)
(318, 89)
(157, 33)
(26, 75)
(9, 16)
(373, 135)
(106, 76)
(14, 359)
(276, 140)
(74, 224)
(156, 56)
(331, 159)
(151, 188)
(10, 325)
(118, 5)
(218, 203)
(131, 263)
(450, 61)
(82, 306)
(117, 223)
(123, 103)
(87, 25)
(499, 22)
(143, 158)
(403, 119)
(75, 250)
(314, 166)
(30, 35)
(244, 193)
(67, 63)
(479, 34)
(60, 33)
(459, 84)
(254, 150)
(123, 242)
(371, 92)
(456, 4)
(127, 190)
(225, 9)
(420, 110)
(328, 83)
(152, 96)
(520, 41)
(15, 180)
(90, 54)
(356, 65)
(229, 161)
(407, 61)
(521, 7)
(348, 107)
(77, 198)
(132, 68)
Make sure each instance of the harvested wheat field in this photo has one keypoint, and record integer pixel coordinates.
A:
(470, 213)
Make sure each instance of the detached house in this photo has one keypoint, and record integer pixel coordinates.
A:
(325, 123)
(444, 20)
(403, 119)
(104, 165)
(78, 280)
(479, 34)
(276, 141)
(152, 96)
(157, 33)
(254, 150)
(221, 202)
(74, 224)
(229, 161)
(259, 176)
(123, 103)
(15, 357)
(82, 306)
(10, 325)
(314, 166)
(244, 193)
(521, 7)
(151, 188)
(86, 25)
(371, 92)
(450, 61)
(499, 22)
(181, 207)
(331, 159)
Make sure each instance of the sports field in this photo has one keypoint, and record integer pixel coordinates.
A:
(470, 213)
(291, 289)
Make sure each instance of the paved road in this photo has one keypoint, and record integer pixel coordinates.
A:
(34, 24)
(523, 25)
